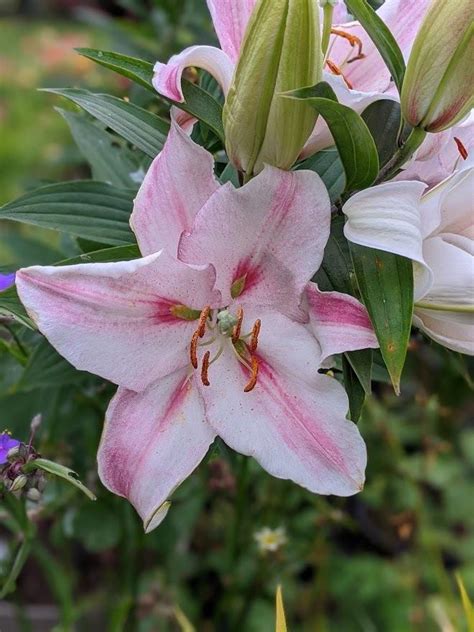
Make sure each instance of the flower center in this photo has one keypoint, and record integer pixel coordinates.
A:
(224, 326)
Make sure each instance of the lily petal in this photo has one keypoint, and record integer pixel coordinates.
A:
(230, 19)
(114, 319)
(271, 233)
(388, 217)
(178, 183)
(403, 18)
(294, 427)
(167, 77)
(152, 441)
(457, 335)
(339, 322)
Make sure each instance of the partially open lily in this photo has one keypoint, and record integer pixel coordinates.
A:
(435, 230)
(225, 340)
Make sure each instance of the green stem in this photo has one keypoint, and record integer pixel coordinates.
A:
(327, 26)
(403, 155)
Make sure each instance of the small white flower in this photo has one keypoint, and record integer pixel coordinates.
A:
(270, 540)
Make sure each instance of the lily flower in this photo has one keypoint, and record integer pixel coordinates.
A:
(216, 331)
(435, 230)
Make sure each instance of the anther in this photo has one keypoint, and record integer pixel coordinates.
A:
(205, 369)
(193, 349)
(255, 332)
(201, 330)
(353, 41)
(238, 327)
(253, 377)
(334, 68)
(461, 148)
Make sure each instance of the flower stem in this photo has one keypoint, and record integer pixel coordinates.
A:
(462, 309)
(403, 155)
(327, 25)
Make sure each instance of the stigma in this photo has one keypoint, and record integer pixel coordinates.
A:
(225, 327)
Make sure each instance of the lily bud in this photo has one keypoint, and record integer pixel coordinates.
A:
(437, 90)
(281, 51)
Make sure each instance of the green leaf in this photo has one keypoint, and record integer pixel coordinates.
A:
(61, 471)
(383, 120)
(361, 364)
(336, 272)
(109, 162)
(353, 139)
(47, 368)
(354, 390)
(327, 164)
(18, 563)
(143, 129)
(11, 307)
(104, 255)
(386, 285)
(197, 101)
(381, 36)
(93, 210)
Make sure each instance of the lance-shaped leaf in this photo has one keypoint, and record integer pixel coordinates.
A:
(386, 286)
(354, 389)
(381, 36)
(46, 368)
(109, 160)
(143, 129)
(61, 471)
(353, 139)
(92, 210)
(197, 101)
(328, 166)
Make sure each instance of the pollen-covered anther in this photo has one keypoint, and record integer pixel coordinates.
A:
(253, 377)
(334, 68)
(253, 344)
(203, 320)
(238, 326)
(193, 349)
(353, 40)
(461, 148)
(205, 369)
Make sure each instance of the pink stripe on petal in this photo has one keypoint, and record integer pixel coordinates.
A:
(339, 322)
(230, 18)
(152, 441)
(179, 182)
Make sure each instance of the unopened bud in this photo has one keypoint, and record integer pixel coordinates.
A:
(19, 482)
(437, 89)
(33, 494)
(13, 453)
(281, 51)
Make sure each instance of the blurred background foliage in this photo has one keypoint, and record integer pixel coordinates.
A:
(383, 561)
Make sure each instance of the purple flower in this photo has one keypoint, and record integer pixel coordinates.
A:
(6, 444)
(6, 281)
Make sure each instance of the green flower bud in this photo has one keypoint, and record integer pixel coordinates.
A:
(281, 51)
(33, 494)
(19, 482)
(437, 90)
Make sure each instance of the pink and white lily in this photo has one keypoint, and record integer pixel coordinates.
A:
(436, 231)
(365, 77)
(216, 331)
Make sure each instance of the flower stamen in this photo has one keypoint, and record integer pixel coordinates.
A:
(255, 333)
(238, 327)
(461, 148)
(334, 68)
(205, 369)
(203, 320)
(193, 349)
(353, 40)
(253, 377)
